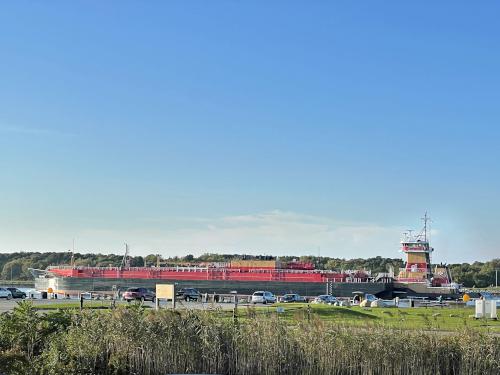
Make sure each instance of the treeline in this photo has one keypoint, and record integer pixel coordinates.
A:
(477, 274)
(14, 266)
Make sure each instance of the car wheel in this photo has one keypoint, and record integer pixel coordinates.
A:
(142, 299)
(153, 299)
(23, 296)
(265, 302)
(128, 300)
(9, 297)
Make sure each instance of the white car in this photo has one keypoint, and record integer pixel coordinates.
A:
(263, 297)
(5, 293)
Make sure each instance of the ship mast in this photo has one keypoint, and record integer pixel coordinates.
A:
(126, 257)
(427, 234)
(73, 254)
(425, 219)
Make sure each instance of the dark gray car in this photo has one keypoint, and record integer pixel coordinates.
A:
(16, 293)
(188, 294)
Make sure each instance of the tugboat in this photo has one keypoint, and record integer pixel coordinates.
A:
(418, 278)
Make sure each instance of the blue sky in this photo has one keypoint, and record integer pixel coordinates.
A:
(263, 127)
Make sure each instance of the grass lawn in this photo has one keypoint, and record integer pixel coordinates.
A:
(432, 318)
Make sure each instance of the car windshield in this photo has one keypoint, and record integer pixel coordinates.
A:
(133, 290)
(258, 294)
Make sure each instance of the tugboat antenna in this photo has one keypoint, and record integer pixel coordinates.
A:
(426, 219)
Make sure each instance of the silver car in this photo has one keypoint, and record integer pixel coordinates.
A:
(5, 293)
(263, 297)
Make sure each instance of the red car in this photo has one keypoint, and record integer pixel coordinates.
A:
(139, 294)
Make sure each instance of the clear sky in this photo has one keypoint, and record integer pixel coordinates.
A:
(273, 127)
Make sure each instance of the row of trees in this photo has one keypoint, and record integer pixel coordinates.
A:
(14, 266)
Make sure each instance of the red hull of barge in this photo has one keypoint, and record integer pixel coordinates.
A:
(193, 273)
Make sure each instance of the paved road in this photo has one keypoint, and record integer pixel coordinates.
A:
(8, 305)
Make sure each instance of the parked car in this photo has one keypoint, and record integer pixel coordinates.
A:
(188, 294)
(16, 293)
(292, 297)
(325, 298)
(5, 293)
(263, 297)
(140, 294)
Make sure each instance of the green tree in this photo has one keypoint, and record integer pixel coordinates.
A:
(150, 259)
(12, 270)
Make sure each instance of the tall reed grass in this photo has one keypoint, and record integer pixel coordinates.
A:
(132, 341)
